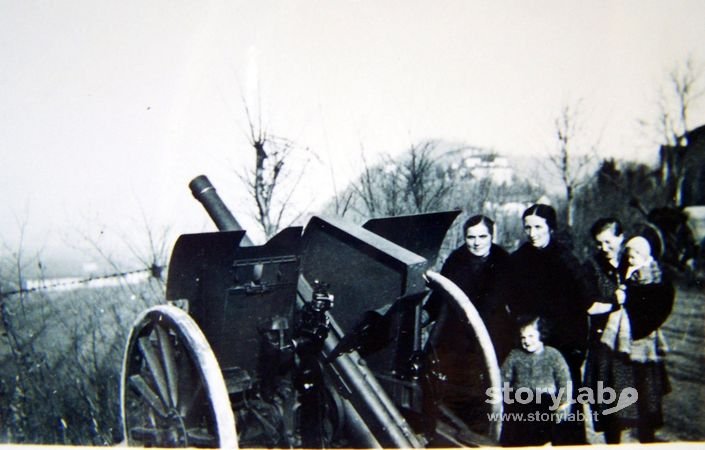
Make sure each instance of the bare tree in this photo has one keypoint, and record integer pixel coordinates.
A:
(153, 251)
(568, 161)
(379, 190)
(679, 94)
(129, 254)
(367, 188)
(432, 176)
(415, 183)
(342, 202)
(427, 182)
(682, 89)
(275, 177)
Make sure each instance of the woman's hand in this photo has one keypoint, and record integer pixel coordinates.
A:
(599, 308)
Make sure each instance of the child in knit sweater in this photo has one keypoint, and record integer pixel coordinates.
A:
(543, 371)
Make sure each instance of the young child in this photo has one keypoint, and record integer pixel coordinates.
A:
(543, 370)
(642, 271)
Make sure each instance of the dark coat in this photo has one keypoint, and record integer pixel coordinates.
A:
(479, 278)
(603, 277)
(602, 280)
(648, 306)
(552, 283)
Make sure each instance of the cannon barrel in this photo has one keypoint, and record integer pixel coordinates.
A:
(370, 414)
(204, 192)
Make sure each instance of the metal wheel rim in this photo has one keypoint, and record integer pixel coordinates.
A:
(463, 304)
(162, 324)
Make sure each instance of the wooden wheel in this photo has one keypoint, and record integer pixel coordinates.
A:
(476, 427)
(172, 390)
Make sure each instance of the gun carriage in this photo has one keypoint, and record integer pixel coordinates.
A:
(315, 339)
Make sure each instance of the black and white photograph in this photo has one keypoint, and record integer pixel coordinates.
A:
(352, 224)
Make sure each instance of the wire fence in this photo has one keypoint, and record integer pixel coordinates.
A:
(42, 284)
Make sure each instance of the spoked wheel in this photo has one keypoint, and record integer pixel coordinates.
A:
(463, 367)
(172, 390)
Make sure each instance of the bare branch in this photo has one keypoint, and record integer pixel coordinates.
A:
(568, 162)
(270, 183)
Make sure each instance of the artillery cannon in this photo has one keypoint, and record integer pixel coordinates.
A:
(315, 339)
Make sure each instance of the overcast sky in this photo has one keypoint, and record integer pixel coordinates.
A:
(109, 108)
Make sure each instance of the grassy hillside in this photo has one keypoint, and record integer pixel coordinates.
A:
(60, 359)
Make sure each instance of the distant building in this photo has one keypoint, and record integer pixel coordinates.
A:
(682, 169)
(481, 164)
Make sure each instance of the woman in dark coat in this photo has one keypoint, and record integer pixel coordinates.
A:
(647, 307)
(604, 271)
(478, 268)
(547, 280)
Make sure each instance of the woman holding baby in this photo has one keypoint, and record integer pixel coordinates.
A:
(627, 349)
